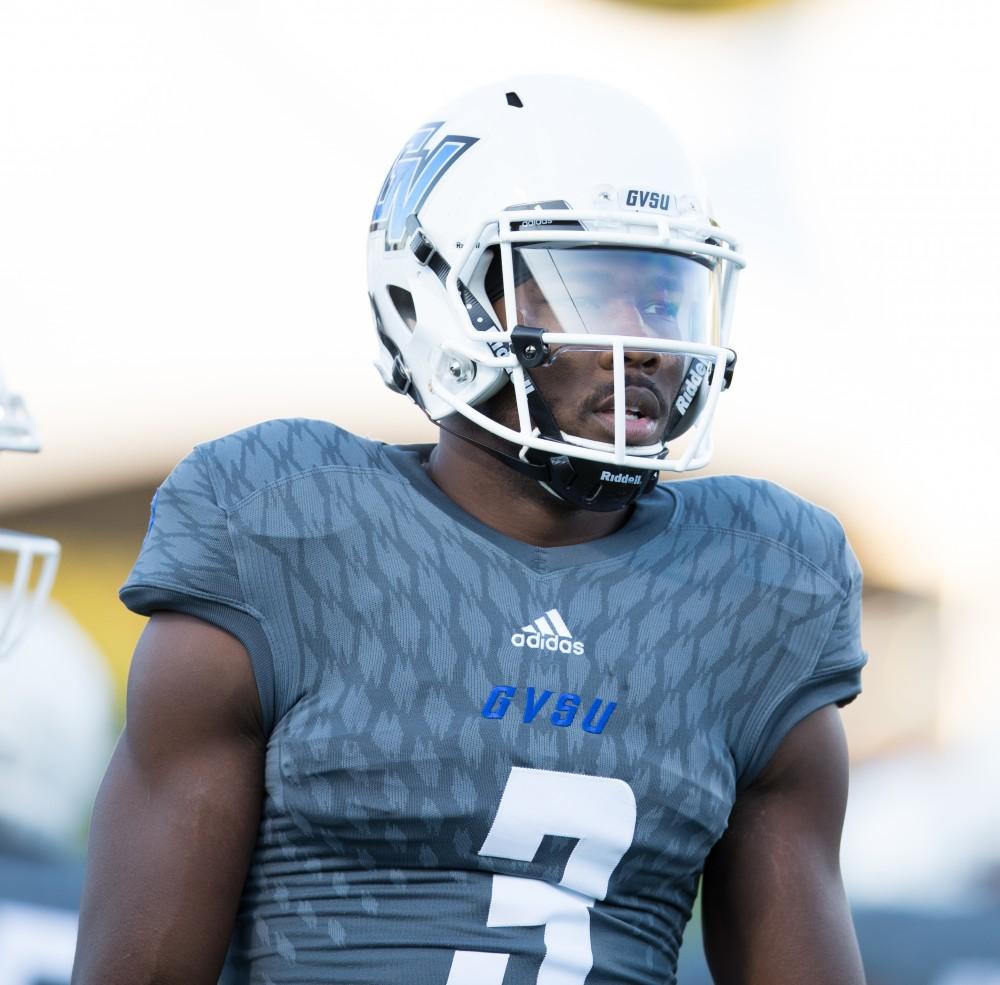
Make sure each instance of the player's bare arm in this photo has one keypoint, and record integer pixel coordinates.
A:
(177, 814)
(774, 911)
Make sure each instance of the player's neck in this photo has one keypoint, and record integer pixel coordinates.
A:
(512, 504)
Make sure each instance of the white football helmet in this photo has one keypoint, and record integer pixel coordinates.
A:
(36, 558)
(553, 197)
(57, 719)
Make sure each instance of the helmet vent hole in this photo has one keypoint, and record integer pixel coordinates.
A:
(513, 99)
(402, 301)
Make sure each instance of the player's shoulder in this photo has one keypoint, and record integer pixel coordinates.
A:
(254, 458)
(742, 506)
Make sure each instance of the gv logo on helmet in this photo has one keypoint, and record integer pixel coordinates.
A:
(412, 176)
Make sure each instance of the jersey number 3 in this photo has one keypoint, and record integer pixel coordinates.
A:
(599, 811)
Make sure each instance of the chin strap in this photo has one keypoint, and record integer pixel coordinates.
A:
(580, 482)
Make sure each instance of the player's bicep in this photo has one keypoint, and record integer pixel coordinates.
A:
(177, 814)
(773, 904)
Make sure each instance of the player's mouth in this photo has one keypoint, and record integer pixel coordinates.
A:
(642, 416)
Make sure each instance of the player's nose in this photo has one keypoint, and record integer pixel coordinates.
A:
(623, 318)
(644, 359)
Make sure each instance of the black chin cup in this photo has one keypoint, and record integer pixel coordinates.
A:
(592, 485)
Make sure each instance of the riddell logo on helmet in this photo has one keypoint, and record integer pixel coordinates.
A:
(547, 632)
(629, 480)
(689, 390)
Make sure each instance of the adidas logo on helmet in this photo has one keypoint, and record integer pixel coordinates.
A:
(547, 632)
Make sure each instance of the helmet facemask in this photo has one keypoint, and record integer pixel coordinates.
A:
(623, 297)
(33, 559)
(630, 293)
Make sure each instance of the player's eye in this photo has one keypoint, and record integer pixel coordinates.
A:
(660, 309)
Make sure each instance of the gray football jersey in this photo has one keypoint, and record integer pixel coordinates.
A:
(491, 763)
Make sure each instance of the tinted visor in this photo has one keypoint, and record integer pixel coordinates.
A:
(615, 291)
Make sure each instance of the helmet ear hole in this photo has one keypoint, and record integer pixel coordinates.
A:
(402, 301)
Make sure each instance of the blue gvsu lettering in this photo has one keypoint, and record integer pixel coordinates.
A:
(564, 710)
(412, 177)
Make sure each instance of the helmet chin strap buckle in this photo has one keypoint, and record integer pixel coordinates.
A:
(401, 378)
(528, 346)
(561, 470)
(728, 372)
(422, 248)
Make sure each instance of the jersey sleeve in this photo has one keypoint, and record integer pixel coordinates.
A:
(835, 677)
(188, 564)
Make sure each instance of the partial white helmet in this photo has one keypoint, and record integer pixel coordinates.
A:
(509, 200)
(57, 720)
(35, 559)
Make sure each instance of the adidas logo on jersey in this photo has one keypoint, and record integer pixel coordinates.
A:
(548, 632)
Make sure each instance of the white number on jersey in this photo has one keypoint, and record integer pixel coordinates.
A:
(597, 810)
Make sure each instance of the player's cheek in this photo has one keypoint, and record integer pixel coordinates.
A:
(668, 377)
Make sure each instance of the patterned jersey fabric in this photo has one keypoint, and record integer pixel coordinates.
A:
(491, 763)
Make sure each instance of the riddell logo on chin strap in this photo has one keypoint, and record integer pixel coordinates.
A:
(547, 632)
(629, 480)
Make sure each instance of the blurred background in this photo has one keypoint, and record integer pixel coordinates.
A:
(185, 192)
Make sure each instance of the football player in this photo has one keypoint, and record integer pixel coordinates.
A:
(39, 884)
(485, 713)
